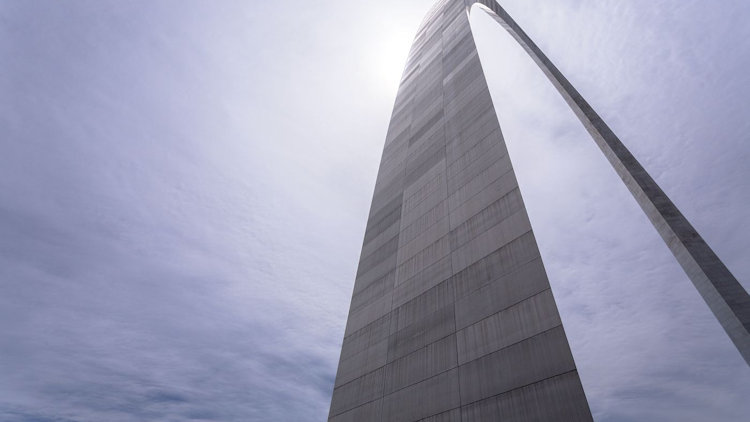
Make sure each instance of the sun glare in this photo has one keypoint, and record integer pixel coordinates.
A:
(387, 59)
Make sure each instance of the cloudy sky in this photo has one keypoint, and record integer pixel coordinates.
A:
(184, 188)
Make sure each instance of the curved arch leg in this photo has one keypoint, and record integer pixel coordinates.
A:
(452, 316)
(725, 296)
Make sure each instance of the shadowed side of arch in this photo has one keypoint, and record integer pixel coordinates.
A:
(725, 296)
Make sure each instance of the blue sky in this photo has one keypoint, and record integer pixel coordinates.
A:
(184, 188)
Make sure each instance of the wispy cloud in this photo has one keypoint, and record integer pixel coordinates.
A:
(184, 188)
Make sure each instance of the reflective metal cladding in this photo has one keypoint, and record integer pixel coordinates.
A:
(452, 317)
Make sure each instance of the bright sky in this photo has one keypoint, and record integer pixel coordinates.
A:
(184, 188)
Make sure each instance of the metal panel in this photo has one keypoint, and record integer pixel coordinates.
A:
(450, 273)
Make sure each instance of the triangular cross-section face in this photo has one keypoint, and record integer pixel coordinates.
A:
(452, 317)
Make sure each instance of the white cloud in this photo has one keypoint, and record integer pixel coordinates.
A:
(184, 189)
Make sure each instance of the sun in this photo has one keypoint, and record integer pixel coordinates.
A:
(387, 59)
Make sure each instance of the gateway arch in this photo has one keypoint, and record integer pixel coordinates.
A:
(452, 317)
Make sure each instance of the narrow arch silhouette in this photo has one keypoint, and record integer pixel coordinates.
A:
(452, 317)
(725, 296)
